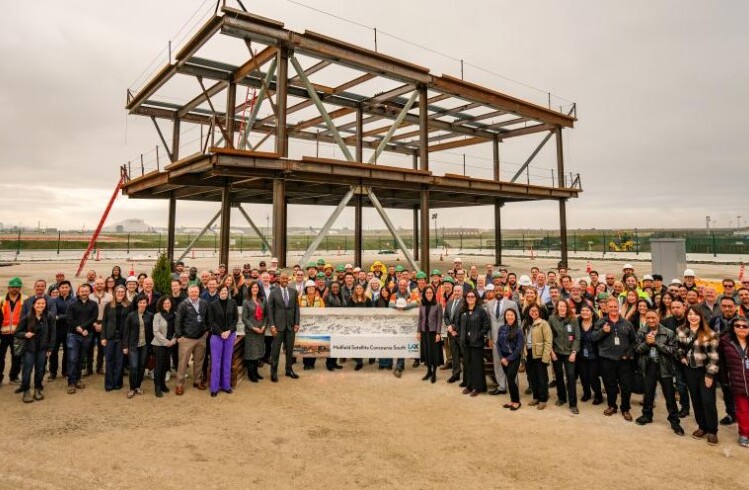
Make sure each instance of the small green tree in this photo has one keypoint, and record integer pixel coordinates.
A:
(162, 275)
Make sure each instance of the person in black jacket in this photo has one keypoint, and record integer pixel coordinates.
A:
(335, 299)
(135, 341)
(38, 329)
(113, 325)
(616, 339)
(61, 331)
(191, 331)
(474, 327)
(658, 349)
(222, 320)
(80, 316)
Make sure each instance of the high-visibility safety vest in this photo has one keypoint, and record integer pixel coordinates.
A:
(11, 318)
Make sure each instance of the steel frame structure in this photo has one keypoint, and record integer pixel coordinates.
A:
(401, 120)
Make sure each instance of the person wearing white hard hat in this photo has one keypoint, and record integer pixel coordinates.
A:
(132, 288)
(628, 269)
(689, 279)
(310, 299)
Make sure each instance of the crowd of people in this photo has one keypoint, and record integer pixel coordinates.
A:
(603, 340)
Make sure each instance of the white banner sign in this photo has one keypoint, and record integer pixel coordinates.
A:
(357, 332)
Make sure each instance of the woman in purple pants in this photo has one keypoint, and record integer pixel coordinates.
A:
(222, 320)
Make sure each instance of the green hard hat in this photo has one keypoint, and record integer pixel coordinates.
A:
(321, 275)
(321, 262)
(312, 265)
(340, 268)
(421, 275)
(398, 268)
(496, 274)
(602, 296)
(436, 272)
(450, 280)
(15, 282)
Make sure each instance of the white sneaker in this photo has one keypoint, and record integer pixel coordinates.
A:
(168, 375)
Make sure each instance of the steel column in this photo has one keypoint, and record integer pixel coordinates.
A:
(562, 202)
(423, 130)
(498, 232)
(495, 147)
(416, 233)
(172, 218)
(199, 236)
(225, 238)
(231, 103)
(254, 227)
(425, 231)
(358, 233)
(326, 227)
(282, 138)
(389, 224)
(279, 221)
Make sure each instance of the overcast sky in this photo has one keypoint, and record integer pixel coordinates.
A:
(662, 89)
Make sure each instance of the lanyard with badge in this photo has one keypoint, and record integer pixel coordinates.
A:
(653, 351)
(570, 336)
(617, 341)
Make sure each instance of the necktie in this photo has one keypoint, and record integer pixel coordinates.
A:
(285, 296)
(455, 305)
(499, 310)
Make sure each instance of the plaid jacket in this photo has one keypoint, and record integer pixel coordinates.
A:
(705, 353)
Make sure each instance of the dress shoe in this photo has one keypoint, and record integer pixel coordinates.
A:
(291, 374)
(463, 384)
(274, 377)
(331, 368)
(371, 361)
(466, 391)
(698, 434)
(165, 389)
(453, 379)
(358, 367)
(18, 390)
(159, 394)
(528, 391)
(575, 410)
(559, 403)
(228, 392)
(397, 373)
(426, 376)
(79, 385)
(38, 396)
(179, 391)
(416, 363)
(507, 405)
(678, 430)
(130, 394)
(627, 416)
(712, 439)
(257, 375)
(338, 366)
(643, 420)
(609, 411)
(541, 405)
(502, 392)
(598, 401)
(71, 389)
(434, 377)
(494, 392)
(200, 386)
(533, 403)
(475, 393)
(585, 398)
(727, 420)
(27, 398)
(514, 409)
(214, 394)
(684, 412)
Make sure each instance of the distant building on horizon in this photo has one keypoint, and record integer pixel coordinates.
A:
(129, 226)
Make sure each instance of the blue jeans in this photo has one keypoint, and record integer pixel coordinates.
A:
(76, 345)
(113, 373)
(137, 357)
(36, 361)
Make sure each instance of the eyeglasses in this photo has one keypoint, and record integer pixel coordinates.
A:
(741, 326)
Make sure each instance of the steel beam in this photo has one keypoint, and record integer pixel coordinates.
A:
(423, 130)
(393, 231)
(225, 237)
(258, 102)
(358, 233)
(279, 221)
(254, 227)
(416, 233)
(495, 154)
(394, 127)
(562, 202)
(282, 141)
(498, 232)
(326, 227)
(323, 112)
(172, 218)
(199, 236)
(531, 157)
(424, 231)
(231, 102)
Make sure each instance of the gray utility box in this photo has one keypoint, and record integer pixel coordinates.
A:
(669, 257)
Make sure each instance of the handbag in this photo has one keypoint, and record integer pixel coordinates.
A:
(19, 346)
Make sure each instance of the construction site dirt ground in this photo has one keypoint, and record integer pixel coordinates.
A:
(344, 429)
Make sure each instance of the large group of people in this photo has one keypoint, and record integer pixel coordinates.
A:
(623, 335)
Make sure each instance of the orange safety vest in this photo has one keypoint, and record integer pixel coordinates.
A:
(11, 319)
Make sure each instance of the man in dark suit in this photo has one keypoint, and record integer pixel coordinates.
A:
(452, 313)
(283, 310)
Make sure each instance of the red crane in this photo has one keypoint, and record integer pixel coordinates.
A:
(95, 236)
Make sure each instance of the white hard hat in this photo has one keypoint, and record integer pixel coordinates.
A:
(524, 281)
(489, 287)
(348, 266)
(401, 303)
(131, 279)
(457, 259)
(627, 266)
(647, 277)
(676, 282)
(688, 273)
(274, 259)
(309, 283)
